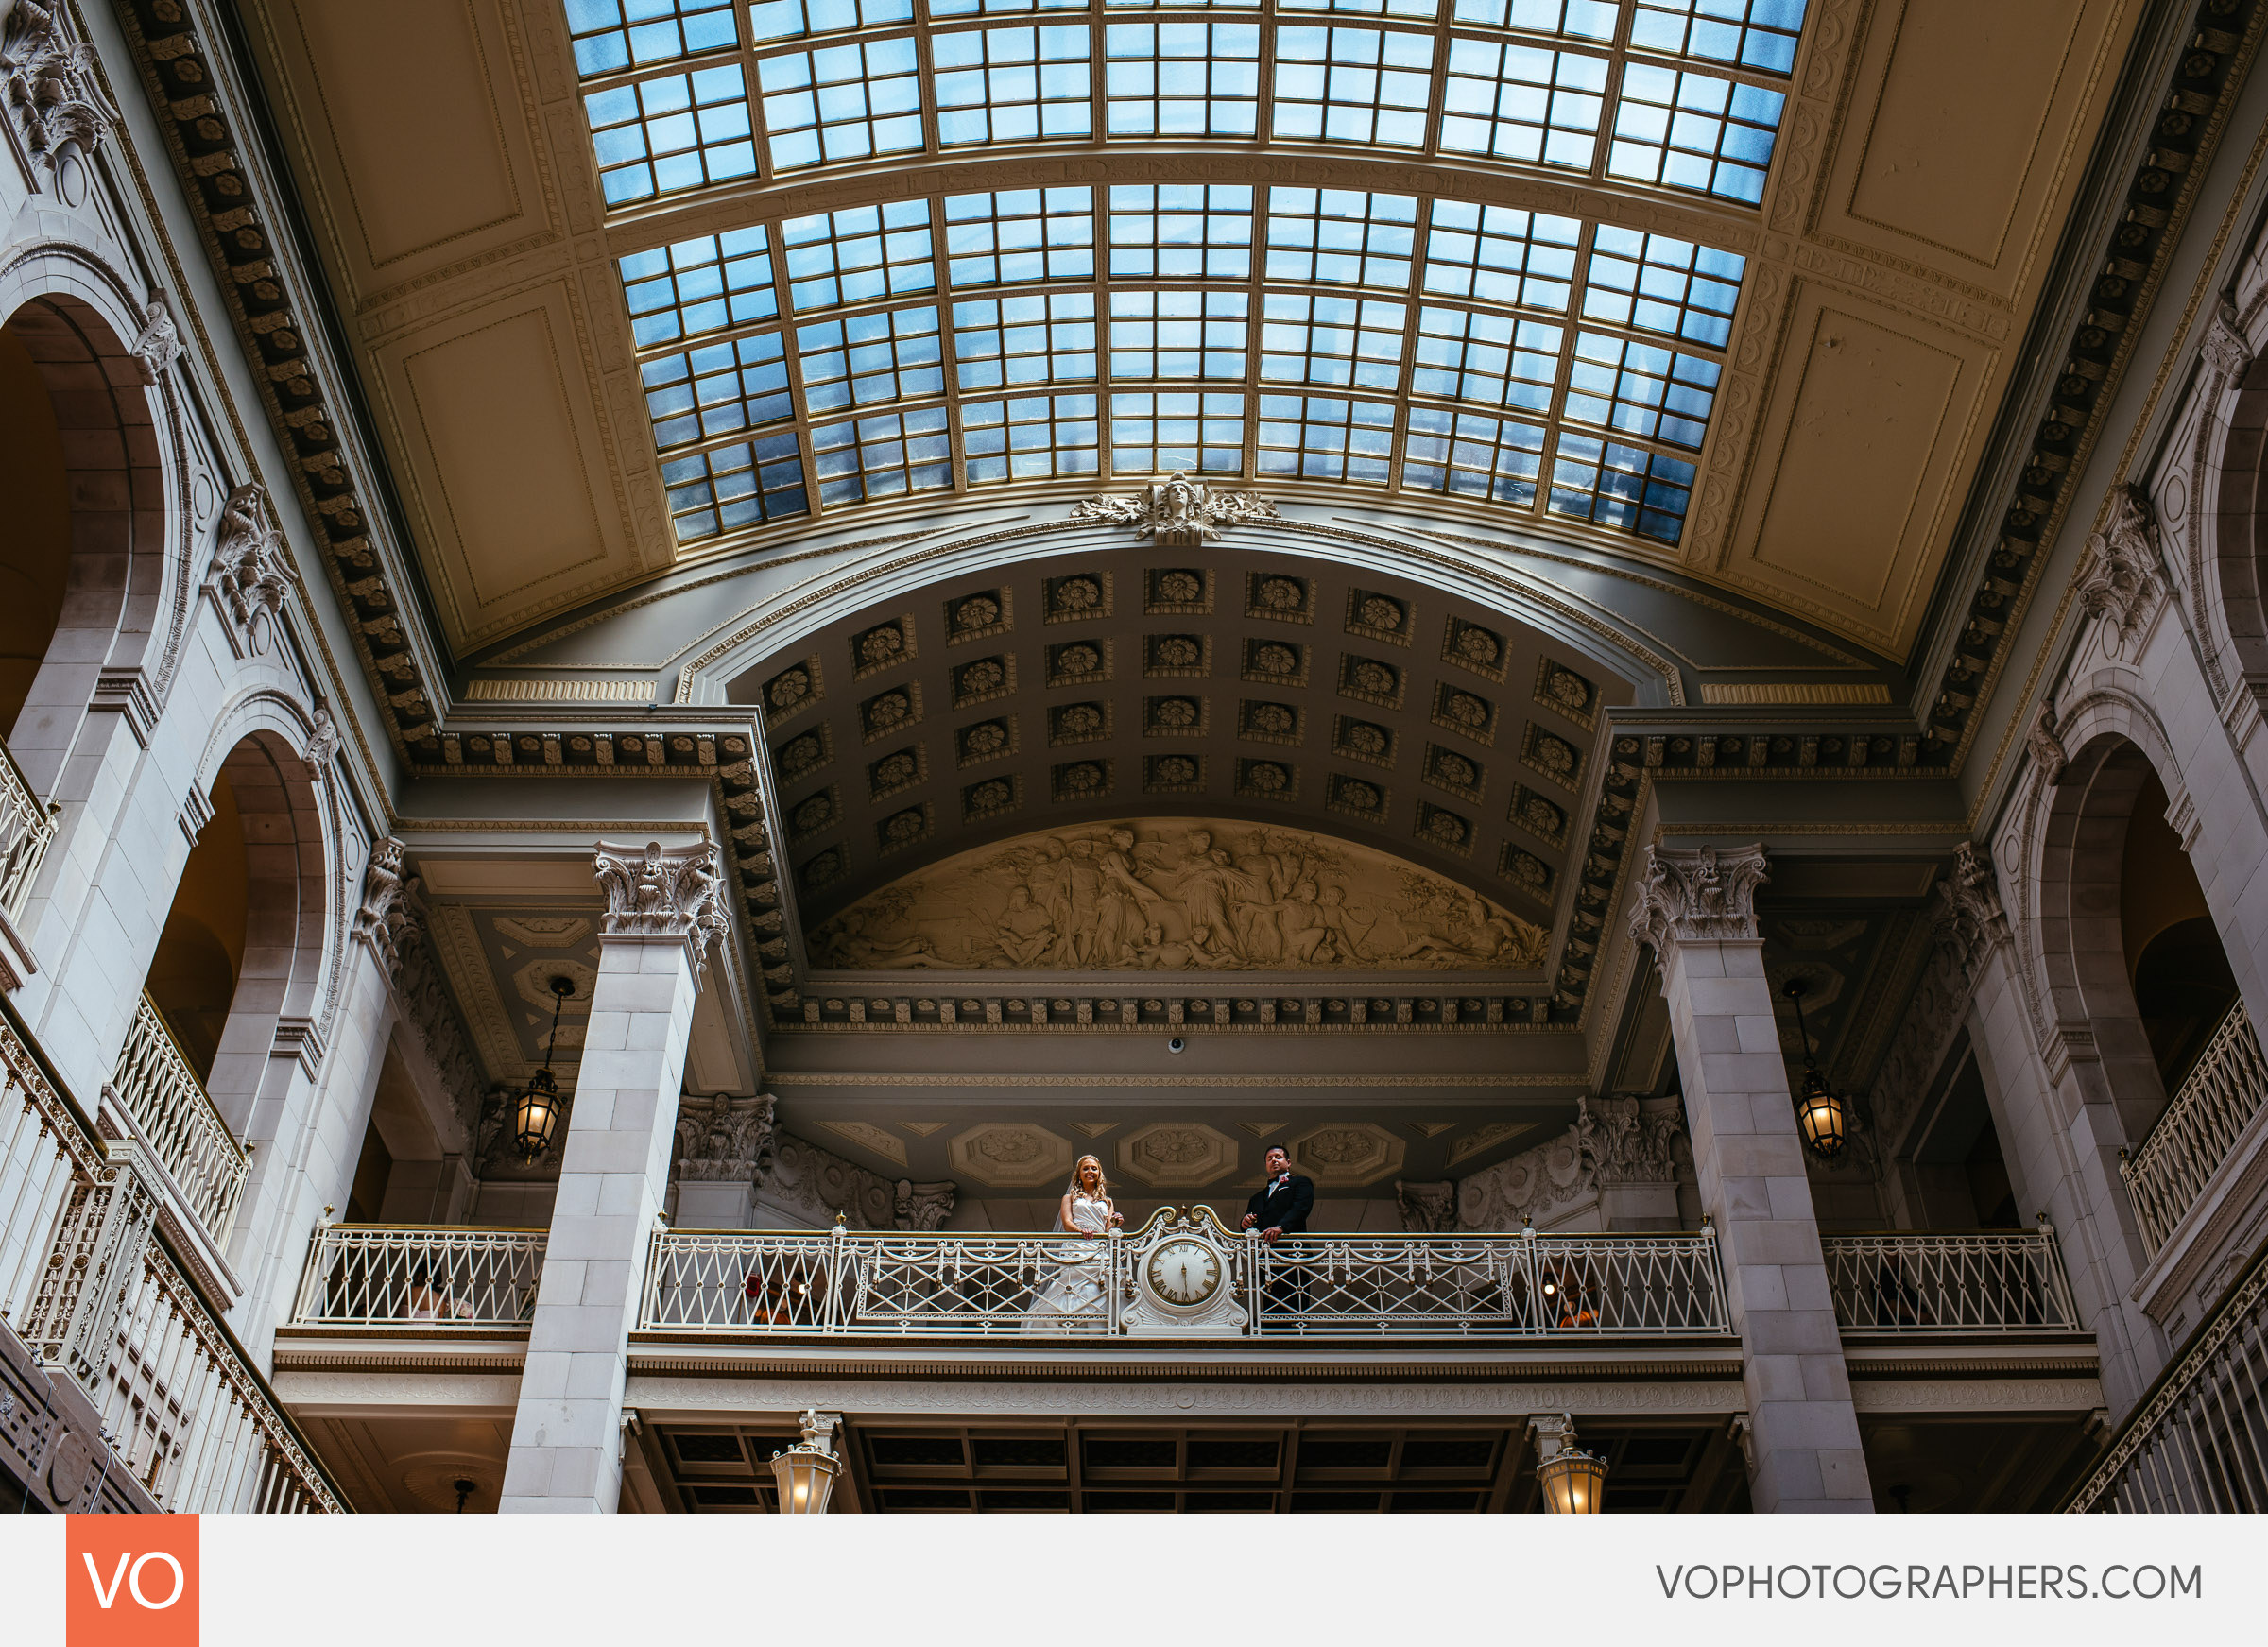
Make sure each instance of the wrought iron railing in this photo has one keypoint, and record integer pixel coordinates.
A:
(2224, 1091)
(1974, 1282)
(2199, 1440)
(169, 1106)
(25, 829)
(91, 1283)
(453, 1280)
(889, 1283)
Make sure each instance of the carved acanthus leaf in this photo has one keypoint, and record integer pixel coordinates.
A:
(2120, 583)
(2224, 348)
(2048, 757)
(1698, 895)
(1427, 1208)
(53, 93)
(925, 1207)
(659, 893)
(1614, 1141)
(726, 1140)
(160, 343)
(1177, 511)
(251, 566)
(1969, 913)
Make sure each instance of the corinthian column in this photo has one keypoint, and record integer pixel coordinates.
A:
(662, 911)
(1697, 908)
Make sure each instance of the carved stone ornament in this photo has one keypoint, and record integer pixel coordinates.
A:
(384, 891)
(1614, 1141)
(726, 1140)
(55, 98)
(251, 567)
(2048, 755)
(1176, 896)
(2118, 581)
(1429, 1209)
(322, 742)
(1969, 913)
(2225, 349)
(1698, 895)
(657, 893)
(160, 344)
(924, 1207)
(816, 1185)
(1176, 511)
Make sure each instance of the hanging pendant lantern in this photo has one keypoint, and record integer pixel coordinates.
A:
(1821, 1115)
(537, 1109)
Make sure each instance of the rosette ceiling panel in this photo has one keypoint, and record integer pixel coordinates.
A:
(1729, 284)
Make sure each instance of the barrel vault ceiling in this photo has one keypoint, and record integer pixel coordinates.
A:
(1735, 289)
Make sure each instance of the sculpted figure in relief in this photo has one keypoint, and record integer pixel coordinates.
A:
(1176, 896)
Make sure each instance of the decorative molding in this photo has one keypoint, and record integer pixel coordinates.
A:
(252, 568)
(819, 1186)
(1698, 895)
(2224, 348)
(1427, 1208)
(160, 342)
(2048, 756)
(1986, 1395)
(53, 84)
(662, 894)
(726, 1140)
(1613, 1143)
(1176, 511)
(492, 691)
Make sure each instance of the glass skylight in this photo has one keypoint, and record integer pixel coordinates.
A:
(935, 338)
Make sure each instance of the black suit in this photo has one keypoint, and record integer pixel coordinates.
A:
(1285, 1204)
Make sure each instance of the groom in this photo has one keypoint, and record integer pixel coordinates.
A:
(1280, 1209)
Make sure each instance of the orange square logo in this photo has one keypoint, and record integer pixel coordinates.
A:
(131, 1581)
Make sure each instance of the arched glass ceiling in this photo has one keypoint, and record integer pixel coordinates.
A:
(952, 341)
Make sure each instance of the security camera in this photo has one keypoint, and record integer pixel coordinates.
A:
(1177, 1045)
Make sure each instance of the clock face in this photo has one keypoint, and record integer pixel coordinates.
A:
(1184, 1271)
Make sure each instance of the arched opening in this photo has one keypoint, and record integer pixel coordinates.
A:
(35, 553)
(2180, 975)
(192, 977)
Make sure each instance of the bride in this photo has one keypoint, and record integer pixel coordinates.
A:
(1076, 1287)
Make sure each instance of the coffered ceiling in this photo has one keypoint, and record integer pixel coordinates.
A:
(1732, 287)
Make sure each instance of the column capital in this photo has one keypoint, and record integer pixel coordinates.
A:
(657, 893)
(1698, 895)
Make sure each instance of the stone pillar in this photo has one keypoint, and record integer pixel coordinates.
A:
(1697, 908)
(663, 910)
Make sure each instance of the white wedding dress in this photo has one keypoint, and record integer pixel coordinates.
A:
(1075, 1286)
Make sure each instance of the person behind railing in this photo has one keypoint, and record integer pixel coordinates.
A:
(1897, 1302)
(1076, 1287)
(427, 1302)
(1280, 1208)
(796, 1295)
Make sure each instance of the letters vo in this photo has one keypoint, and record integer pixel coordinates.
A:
(131, 1581)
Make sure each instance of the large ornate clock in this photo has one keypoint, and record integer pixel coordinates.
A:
(1183, 1281)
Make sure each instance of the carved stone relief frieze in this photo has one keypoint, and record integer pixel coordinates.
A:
(1614, 1142)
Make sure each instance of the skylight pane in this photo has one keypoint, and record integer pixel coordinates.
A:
(1020, 235)
(869, 360)
(1340, 237)
(1334, 342)
(1471, 455)
(1159, 433)
(717, 389)
(1497, 254)
(999, 8)
(886, 456)
(1183, 80)
(1036, 339)
(842, 102)
(1523, 103)
(858, 255)
(678, 131)
(1320, 438)
(1031, 437)
(1181, 5)
(1012, 85)
(619, 34)
(1757, 34)
(1620, 486)
(1181, 230)
(790, 19)
(1685, 131)
(1427, 10)
(699, 286)
(1641, 389)
(1574, 19)
(1352, 85)
(1179, 334)
(732, 487)
(1498, 360)
(1659, 284)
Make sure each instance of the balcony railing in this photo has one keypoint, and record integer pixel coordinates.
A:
(1978, 1282)
(447, 1280)
(90, 1282)
(168, 1105)
(2199, 1440)
(2222, 1094)
(25, 829)
(865, 1283)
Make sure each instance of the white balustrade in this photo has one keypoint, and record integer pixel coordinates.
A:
(1974, 1282)
(448, 1279)
(25, 829)
(869, 1284)
(2199, 1441)
(169, 1107)
(91, 1284)
(2220, 1094)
